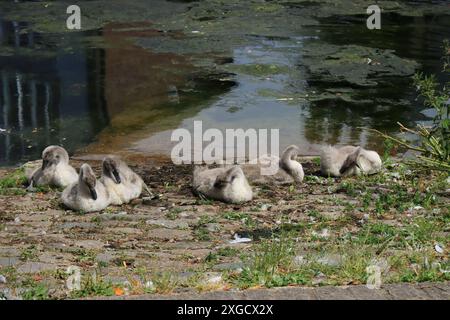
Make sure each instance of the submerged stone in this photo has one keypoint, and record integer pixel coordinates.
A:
(354, 65)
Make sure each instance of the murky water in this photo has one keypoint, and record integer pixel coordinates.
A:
(52, 98)
(99, 92)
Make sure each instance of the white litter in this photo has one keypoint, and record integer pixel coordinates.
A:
(2, 130)
(238, 239)
(150, 285)
(2, 279)
(438, 248)
(416, 208)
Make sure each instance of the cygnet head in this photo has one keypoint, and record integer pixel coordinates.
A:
(54, 155)
(229, 178)
(110, 169)
(364, 160)
(289, 163)
(88, 180)
(290, 153)
(369, 161)
(350, 161)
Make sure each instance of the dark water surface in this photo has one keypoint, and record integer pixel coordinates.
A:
(98, 92)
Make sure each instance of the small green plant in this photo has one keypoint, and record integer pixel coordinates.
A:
(35, 291)
(349, 187)
(96, 219)
(165, 282)
(366, 200)
(316, 161)
(434, 142)
(14, 179)
(420, 268)
(227, 252)
(168, 186)
(313, 213)
(388, 146)
(28, 253)
(268, 263)
(173, 214)
(10, 273)
(13, 183)
(201, 233)
(93, 285)
(222, 252)
(245, 218)
(204, 202)
(211, 257)
(84, 256)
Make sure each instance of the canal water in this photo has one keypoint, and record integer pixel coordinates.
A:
(99, 91)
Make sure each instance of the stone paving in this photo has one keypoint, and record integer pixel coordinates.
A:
(421, 291)
(176, 233)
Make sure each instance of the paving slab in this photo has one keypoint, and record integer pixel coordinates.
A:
(424, 291)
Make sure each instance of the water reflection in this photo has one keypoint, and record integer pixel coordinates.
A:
(392, 100)
(148, 92)
(51, 98)
(92, 92)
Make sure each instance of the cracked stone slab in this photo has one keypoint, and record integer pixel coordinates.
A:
(34, 267)
(9, 261)
(90, 244)
(169, 234)
(170, 224)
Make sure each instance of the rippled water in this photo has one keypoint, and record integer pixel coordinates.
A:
(98, 92)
